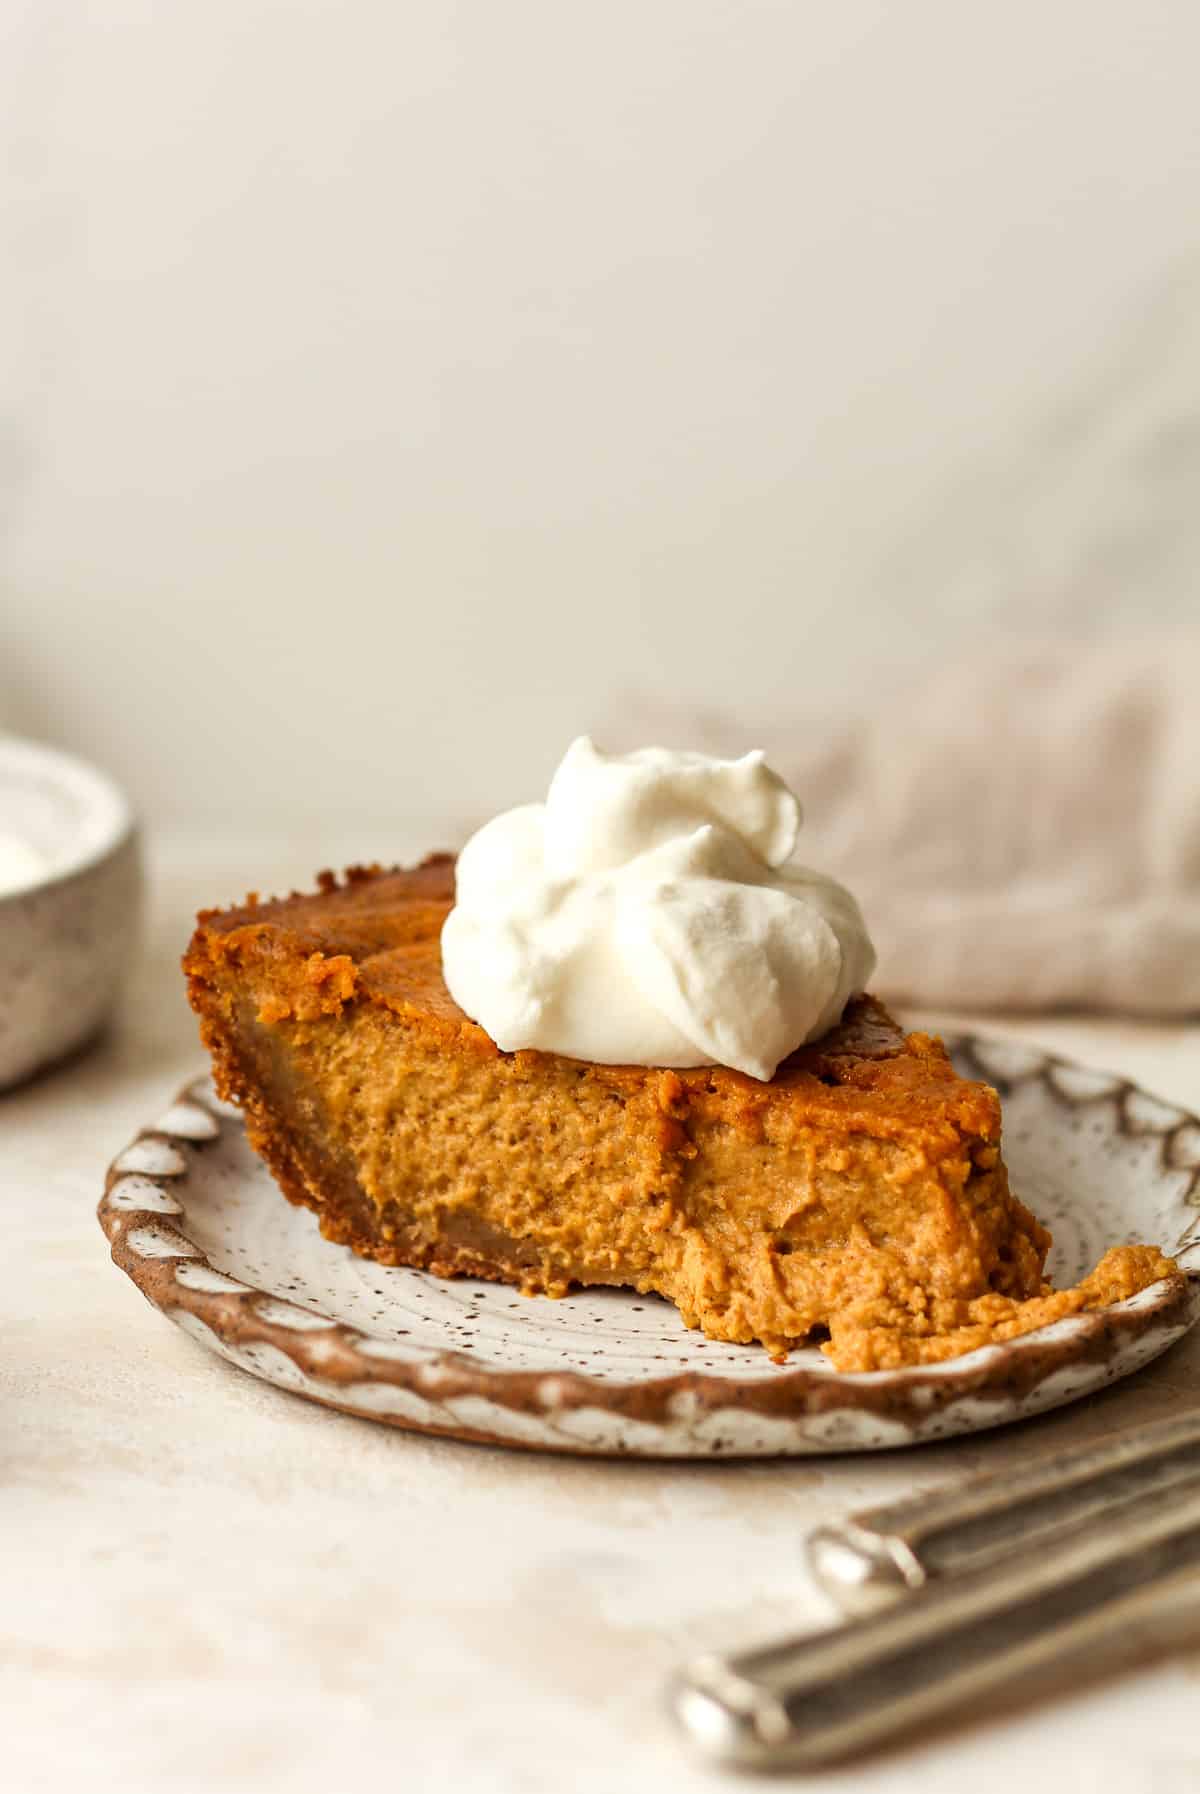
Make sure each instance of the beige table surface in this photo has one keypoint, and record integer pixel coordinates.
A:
(206, 1584)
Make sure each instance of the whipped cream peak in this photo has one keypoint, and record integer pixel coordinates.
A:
(650, 913)
(603, 810)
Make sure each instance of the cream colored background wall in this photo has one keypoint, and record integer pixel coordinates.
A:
(390, 391)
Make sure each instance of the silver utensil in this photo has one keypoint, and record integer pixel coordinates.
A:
(875, 1556)
(991, 1602)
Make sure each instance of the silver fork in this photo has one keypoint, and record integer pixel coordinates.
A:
(962, 1596)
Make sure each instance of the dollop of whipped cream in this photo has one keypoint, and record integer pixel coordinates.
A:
(649, 913)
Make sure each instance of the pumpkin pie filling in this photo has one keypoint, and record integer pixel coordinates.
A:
(859, 1195)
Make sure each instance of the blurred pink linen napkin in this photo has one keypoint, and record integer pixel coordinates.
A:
(1022, 829)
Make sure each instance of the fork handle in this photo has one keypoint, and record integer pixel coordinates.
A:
(811, 1700)
(865, 1562)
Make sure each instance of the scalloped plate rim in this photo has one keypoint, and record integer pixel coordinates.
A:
(663, 1414)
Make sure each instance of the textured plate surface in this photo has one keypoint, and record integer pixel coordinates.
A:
(196, 1221)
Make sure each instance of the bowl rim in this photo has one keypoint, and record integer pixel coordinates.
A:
(103, 798)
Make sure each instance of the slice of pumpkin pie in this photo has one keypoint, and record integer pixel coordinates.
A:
(857, 1195)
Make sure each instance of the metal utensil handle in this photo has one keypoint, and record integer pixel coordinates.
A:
(869, 1559)
(810, 1700)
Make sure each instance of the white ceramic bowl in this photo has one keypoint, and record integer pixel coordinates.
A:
(66, 939)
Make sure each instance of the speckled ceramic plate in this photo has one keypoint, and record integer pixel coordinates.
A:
(197, 1222)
